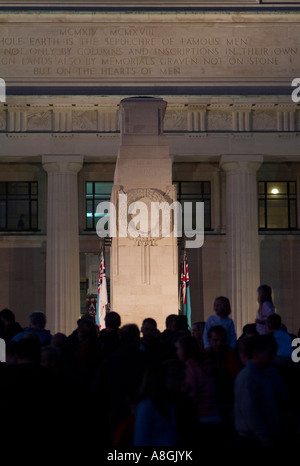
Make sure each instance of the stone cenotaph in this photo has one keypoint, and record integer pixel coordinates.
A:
(144, 263)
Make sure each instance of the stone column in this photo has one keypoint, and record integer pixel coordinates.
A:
(243, 263)
(62, 262)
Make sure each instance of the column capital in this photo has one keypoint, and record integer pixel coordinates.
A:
(241, 163)
(62, 164)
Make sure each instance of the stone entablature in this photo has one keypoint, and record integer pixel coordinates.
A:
(150, 3)
(249, 116)
(183, 48)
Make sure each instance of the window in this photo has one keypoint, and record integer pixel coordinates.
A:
(18, 206)
(277, 205)
(196, 191)
(96, 192)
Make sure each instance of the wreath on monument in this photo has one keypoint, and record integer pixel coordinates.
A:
(153, 199)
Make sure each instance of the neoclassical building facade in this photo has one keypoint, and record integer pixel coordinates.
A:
(225, 71)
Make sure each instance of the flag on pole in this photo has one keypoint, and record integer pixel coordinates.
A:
(185, 299)
(101, 295)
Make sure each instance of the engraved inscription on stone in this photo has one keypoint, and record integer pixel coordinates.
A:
(130, 3)
(130, 54)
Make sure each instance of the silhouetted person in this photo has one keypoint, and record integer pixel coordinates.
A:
(247, 331)
(259, 395)
(109, 338)
(88, 351)
(67, 358)
(10, 326)
(282, 338)
(150, 340)
(222, 308)
(37, 323)
(149, 330)
(200, 386)
(282, 360)
(28, 394)
(73, 341)
(50, 358)
(171, 323)
(118, 379)
(182, 324)
(265, 308)
(155, 414)
(167, 337)
(197, 332)
(224, 366)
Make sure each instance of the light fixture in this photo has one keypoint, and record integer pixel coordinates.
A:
(275, 191)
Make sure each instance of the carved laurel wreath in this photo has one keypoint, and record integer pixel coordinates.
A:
(147, 196)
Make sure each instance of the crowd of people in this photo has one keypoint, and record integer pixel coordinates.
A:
(125, 386)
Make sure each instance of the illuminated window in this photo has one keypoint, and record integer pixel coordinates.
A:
(96, 192)
(277, 205)
(18, 206)
(196, 191)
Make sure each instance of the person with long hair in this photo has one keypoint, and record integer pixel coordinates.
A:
(155, 415)
(200, 387)
(221, 316)
(265, 308)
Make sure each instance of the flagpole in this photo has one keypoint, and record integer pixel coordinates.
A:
(184, 289)
(180, 276)
(102, 247)
(102, 298)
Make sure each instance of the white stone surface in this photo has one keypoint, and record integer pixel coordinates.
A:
(243, 271)
(144, 279)
(141, 49)
(62, 257)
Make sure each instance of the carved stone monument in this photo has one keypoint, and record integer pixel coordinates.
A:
(144, 274)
